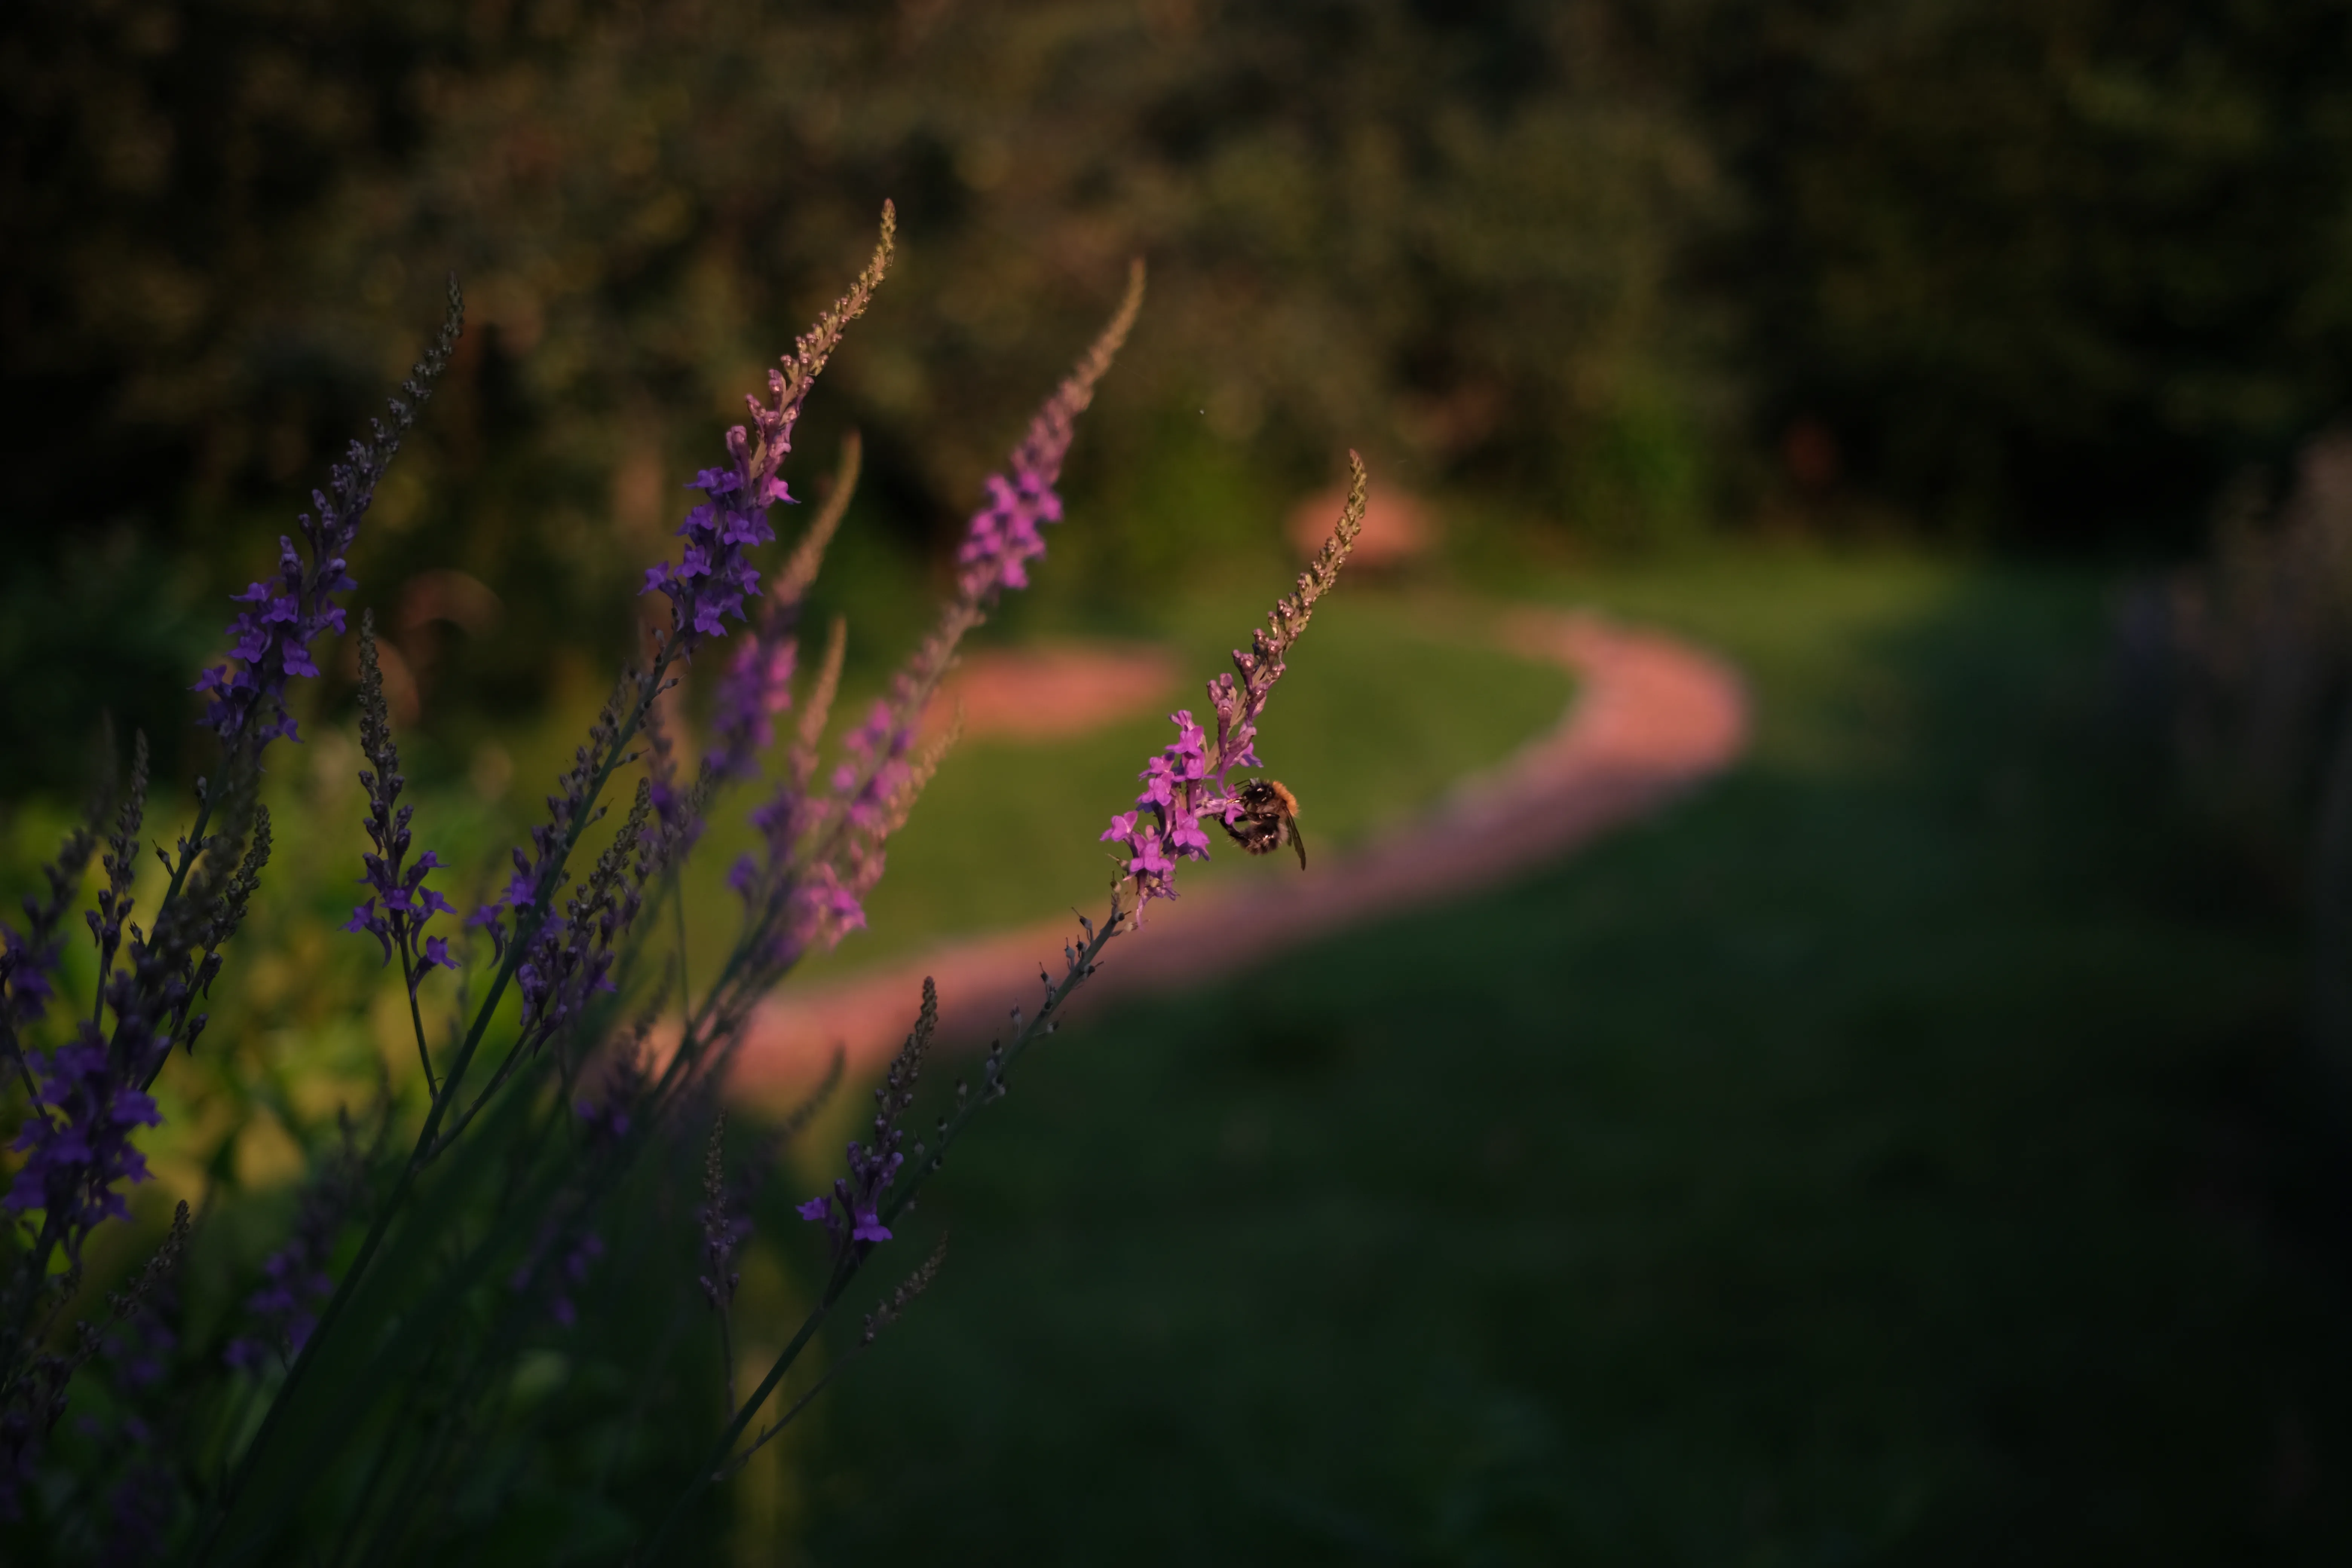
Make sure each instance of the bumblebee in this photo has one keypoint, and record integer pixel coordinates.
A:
(1269, 814)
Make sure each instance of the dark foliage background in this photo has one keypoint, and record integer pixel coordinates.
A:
(2047, 271)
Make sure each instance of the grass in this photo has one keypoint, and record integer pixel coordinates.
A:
(1902, 1151)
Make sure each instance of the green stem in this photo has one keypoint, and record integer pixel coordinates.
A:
(416, 1018)
(397, 1199)
(714, 1468)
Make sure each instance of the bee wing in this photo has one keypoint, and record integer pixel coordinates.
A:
(1291, 825)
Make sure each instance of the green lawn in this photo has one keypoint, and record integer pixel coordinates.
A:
(1899, 1150)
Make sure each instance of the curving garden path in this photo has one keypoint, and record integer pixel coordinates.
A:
(1652, 716)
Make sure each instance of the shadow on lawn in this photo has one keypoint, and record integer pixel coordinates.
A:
(1903, 1150)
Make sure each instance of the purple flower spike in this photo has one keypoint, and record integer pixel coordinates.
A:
(396, 917)
(851, 1214)
(1003, 537)
(270, 639)
(711, 578)
(1178, 790)
(77, 1142)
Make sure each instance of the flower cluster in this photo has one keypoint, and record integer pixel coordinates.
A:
(77, 1143)
(1165, 827)
(713, 578)
(851, 1213)
(85, 1101)
(244, 698)
(403, 903)
(757, 687)
(1002, 538)
(1166, 824)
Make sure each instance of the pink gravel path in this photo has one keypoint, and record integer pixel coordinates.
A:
(1651, 717)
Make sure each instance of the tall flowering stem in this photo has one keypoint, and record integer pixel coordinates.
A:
(1188, 780)
(245, 697)
(712, 576)
(395, 916)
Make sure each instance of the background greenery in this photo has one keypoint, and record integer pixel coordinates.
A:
(2044, 272)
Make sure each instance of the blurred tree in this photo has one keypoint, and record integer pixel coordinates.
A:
(2046, 269)
(2050, 268)
(1440, 231)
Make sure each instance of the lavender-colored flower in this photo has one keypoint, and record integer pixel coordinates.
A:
(1188, 780)
(403, 903)
(851, 1213)
(77, 1142)
(758, 685)
(712, 577)
(244, 698)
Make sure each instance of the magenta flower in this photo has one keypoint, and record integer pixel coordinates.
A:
(1176, 789)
